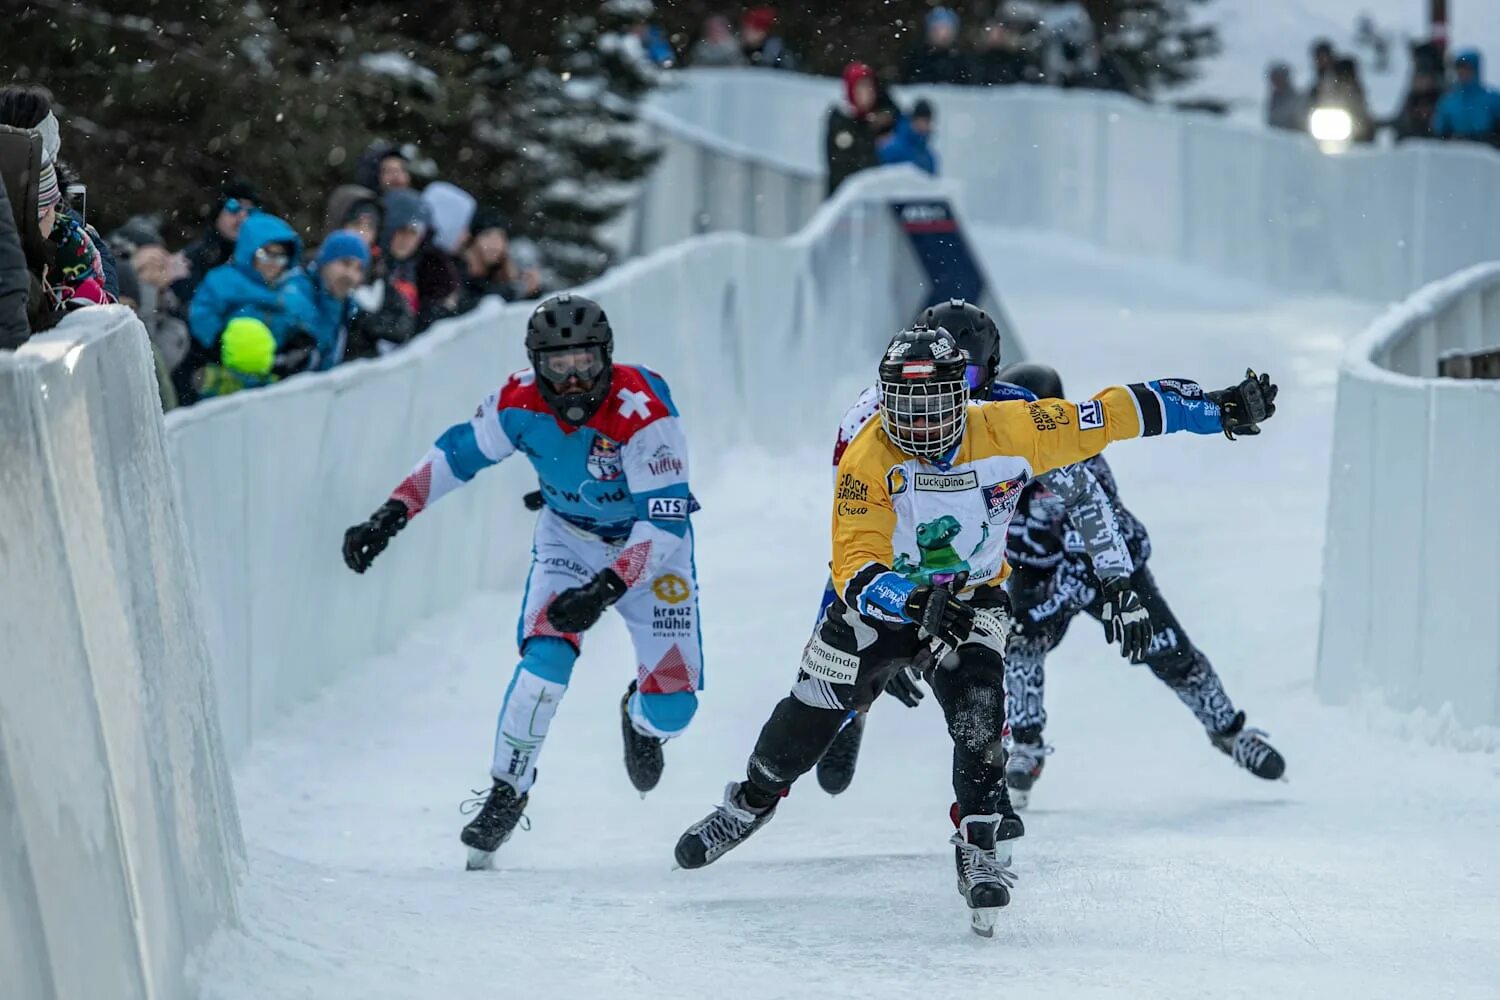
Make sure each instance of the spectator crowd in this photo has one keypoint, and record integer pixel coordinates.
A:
(247, 303)
(1446, 99)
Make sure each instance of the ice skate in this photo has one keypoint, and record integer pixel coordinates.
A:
(643, 755)
(499, 813)
(836, 769)
(1250, 749)
(984, 874)
(727, 827)
(1023, 768)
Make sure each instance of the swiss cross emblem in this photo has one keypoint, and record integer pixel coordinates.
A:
(634, 403)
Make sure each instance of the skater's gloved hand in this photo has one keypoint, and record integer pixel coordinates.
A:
(578, 608)
(1126, 620)
(363, 542)
(1245, 405)
(905, 687)
(533, 500)
(940, 614)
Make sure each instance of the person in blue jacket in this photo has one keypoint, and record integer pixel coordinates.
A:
(253, 283)
(1469, 110)
(908, 141)
(325, 286)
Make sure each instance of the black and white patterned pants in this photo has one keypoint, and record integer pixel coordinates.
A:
(1043, 611)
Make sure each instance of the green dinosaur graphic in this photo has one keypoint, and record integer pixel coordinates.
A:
(938, 557)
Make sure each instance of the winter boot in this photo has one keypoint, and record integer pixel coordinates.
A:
(836, 769)
(727, 827)
(984, 874)
(1023, 768)
(643, 756)
(1249, 749)
(499, 813)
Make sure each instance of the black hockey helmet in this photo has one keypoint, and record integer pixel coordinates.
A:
(977, 335)
(1043, 381)
(924, 398)
(570, 345)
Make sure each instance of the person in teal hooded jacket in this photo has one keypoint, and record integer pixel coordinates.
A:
(254, 283)
(1469, 110)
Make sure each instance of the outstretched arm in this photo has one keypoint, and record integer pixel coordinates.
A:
(456, 457)
(1092, 512)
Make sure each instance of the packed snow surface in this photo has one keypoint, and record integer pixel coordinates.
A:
(1152, 867)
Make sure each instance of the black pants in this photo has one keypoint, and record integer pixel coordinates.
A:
(1045, 605)
(971, 692)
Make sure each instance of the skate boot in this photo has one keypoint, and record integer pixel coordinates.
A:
(643, 756)
(836, 769)
(1023, 768)
(984, 874)
(727, 827)
(499, 813)
(1249, 749)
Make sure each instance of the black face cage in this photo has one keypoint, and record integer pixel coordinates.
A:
(924, 418)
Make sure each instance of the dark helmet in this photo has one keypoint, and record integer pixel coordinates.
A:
(924, 398)
(977, 335)
(1044, 382)
(570, 345)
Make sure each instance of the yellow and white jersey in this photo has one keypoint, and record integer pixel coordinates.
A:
(900, 521)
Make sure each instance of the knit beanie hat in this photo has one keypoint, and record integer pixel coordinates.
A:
(48, 193)
(343, 243)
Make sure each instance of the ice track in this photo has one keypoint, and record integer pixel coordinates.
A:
(1152, 867)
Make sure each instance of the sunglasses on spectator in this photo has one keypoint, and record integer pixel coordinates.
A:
(234, 205)
(265, 256)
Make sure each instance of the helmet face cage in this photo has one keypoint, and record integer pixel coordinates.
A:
(924, 417)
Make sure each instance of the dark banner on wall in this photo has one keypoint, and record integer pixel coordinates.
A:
(940, 245)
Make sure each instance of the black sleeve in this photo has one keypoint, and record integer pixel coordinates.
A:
(15, 280)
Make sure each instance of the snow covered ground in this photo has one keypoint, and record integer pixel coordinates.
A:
(1256, 33)
(1151, 868)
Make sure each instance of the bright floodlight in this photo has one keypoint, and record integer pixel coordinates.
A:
(1331, 125)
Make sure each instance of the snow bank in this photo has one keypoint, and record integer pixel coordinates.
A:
(118, 831)
(761, 340)
(744, 151)
(1411, 597)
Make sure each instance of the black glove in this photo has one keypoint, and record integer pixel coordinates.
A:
(533, 500)
(578, 608)
(905, 687)
(363, 542)
(297, 354)
(940, 614)
(1126, 620)
(1245, 405)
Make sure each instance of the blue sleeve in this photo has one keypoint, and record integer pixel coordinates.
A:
(460, 446)
(1441, 125)
(899, 147)
(206, 312)
(1170, 405)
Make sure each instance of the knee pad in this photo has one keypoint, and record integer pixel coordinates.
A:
(663, 715)
(1174, 664)
(549, 658)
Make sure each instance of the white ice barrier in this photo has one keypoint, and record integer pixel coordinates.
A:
(1411, 589)
(759, 339)
(118, 832)
(744, 151)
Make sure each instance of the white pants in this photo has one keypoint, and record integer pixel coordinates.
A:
(661, 614)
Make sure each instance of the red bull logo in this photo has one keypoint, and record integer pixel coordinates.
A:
(1000, 498)
(604, 459)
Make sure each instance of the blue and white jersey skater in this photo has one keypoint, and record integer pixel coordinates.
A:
(616, 496)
